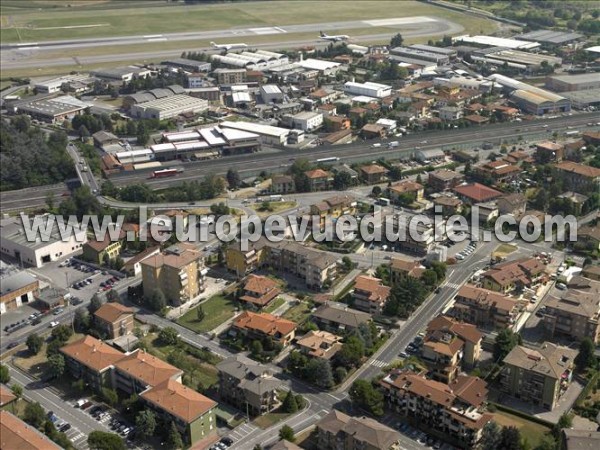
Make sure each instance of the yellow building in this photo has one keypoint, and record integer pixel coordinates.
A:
(97, 251)
(178, 272)
(334, 207)
(243, 262)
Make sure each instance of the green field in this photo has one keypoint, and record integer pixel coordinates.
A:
(274, 305)
(217, 310)
(298, 313)
(24, 22)
(532, 431)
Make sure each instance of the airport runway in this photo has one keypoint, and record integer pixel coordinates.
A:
(29, 55)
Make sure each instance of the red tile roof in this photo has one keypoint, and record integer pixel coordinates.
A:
(93, 353)
(111, 312)
(179, 400)
(147, 368)
(265, 323)
(477, 192)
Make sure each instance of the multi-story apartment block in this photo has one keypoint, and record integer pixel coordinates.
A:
(334, 207)
(16, 434)
(514, 275)
(114, 319)
(338, 318)
(243, 262)
(576, 314)
(455, 411)
(178, 272)
(449, 345)
(249, 387)
(580, 177)
(338, 431)
(259, 326)
(370, 294)
(538, 376)
(484, 308)
(444, 179)
(157, 383)
(406, 190)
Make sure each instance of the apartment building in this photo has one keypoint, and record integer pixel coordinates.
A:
(580, 177)
(514, 275)
(549, 151)
(230, 76)
(157, 383)
(178, 272)
(454, 412)
(406, 191)
(402, 268)
(538, 376)
(243, 262)
(499, 171)
(337, 318)
(282, 184)
(514, 204)
(444, 179)
(370, 294)
(373, 173)
(449, 345)
(338, 431)
(259, 291)
(576, 314)
(259, 326)
(91, 360)
(485, 309)
(447, 205)
(17, 435)
(476, 193)
(417, 239)
(249, 387)
(114, 319)
(319, 344)
(192, 413)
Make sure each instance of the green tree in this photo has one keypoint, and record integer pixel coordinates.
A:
(157, 301)
(200, 315)
(491, 436)
(174, 440)
(364, 395)
(62, 333)
(286, 433)
(347, 264)
(256, 348)
(145, 423)
(511, 438)
(34, 414)
(110, 396)
(100, 440)
(376, 191)
(56, 366)
(289, 403)
(429, 277)
(564, 421)
(351, 352)
(83, 132)
(342, 180)
(396, 41)
(547, 443)
(53, 348)
(257, 447)
(81, 321)
(340, 374)
(34, 343)
(142, 135)
(233, 178)
(95, 304)
(168, 336)
(585, 359)
(505, 341)
(17, 390)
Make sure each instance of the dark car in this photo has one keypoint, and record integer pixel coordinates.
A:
(36, 321)
(65, 427)
(227, 441)
(12, 345)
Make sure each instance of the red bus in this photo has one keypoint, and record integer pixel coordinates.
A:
(165, 173)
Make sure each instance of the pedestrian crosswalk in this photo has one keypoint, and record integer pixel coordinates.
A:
(242, 431)
(378, 363)
(452, 285)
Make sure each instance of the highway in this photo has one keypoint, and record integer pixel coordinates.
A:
(360, 151)
(28, 55)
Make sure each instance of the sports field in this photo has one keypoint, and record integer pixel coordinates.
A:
(24, 21)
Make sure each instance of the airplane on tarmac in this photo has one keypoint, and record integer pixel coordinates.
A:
(228, 46)
(336, 38)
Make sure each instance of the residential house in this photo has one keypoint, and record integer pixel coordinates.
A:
(337, 318)
(319, 344)
(499, 171)
(323, 96)
(356, 112)
(589, 236)
(373, 131)
(449, 345)
(252, 326)
(338, 431)
(17, 435)
(514, 275)
(575, 314)
(406, 192)
(178, 272)
(259, 291)
(548, 151)
(373, 173)
(282, 184)
(447, 205)
(338, 138)
(476, 119)
(476, 193)
(337, 123)
(579, 439)
(249, 387)
(486, 211)
(444, 179)
(133, 266)
(192, 413)
(454, 411)
(401, 268)
(580, 177)
(100, 252)
(91, 360)
(327, 109)
(450, 113)
(347, 169)
(539, 376)
(114, 320)
(370, 294)
(334, 207)
(514, 204)
(319, 179)
(576, 200)
(484, 308)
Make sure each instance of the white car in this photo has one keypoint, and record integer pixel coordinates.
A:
(561, 286)
(54, 323)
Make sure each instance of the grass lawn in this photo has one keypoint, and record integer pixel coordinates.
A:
(532, 431)
(36, 364)
(217, 310)
(504, 250)
(275, 208)
(274, 305)
(112, 19)
(270, 419)
(298, 313)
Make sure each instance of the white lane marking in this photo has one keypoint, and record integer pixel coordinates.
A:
(398, 21)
